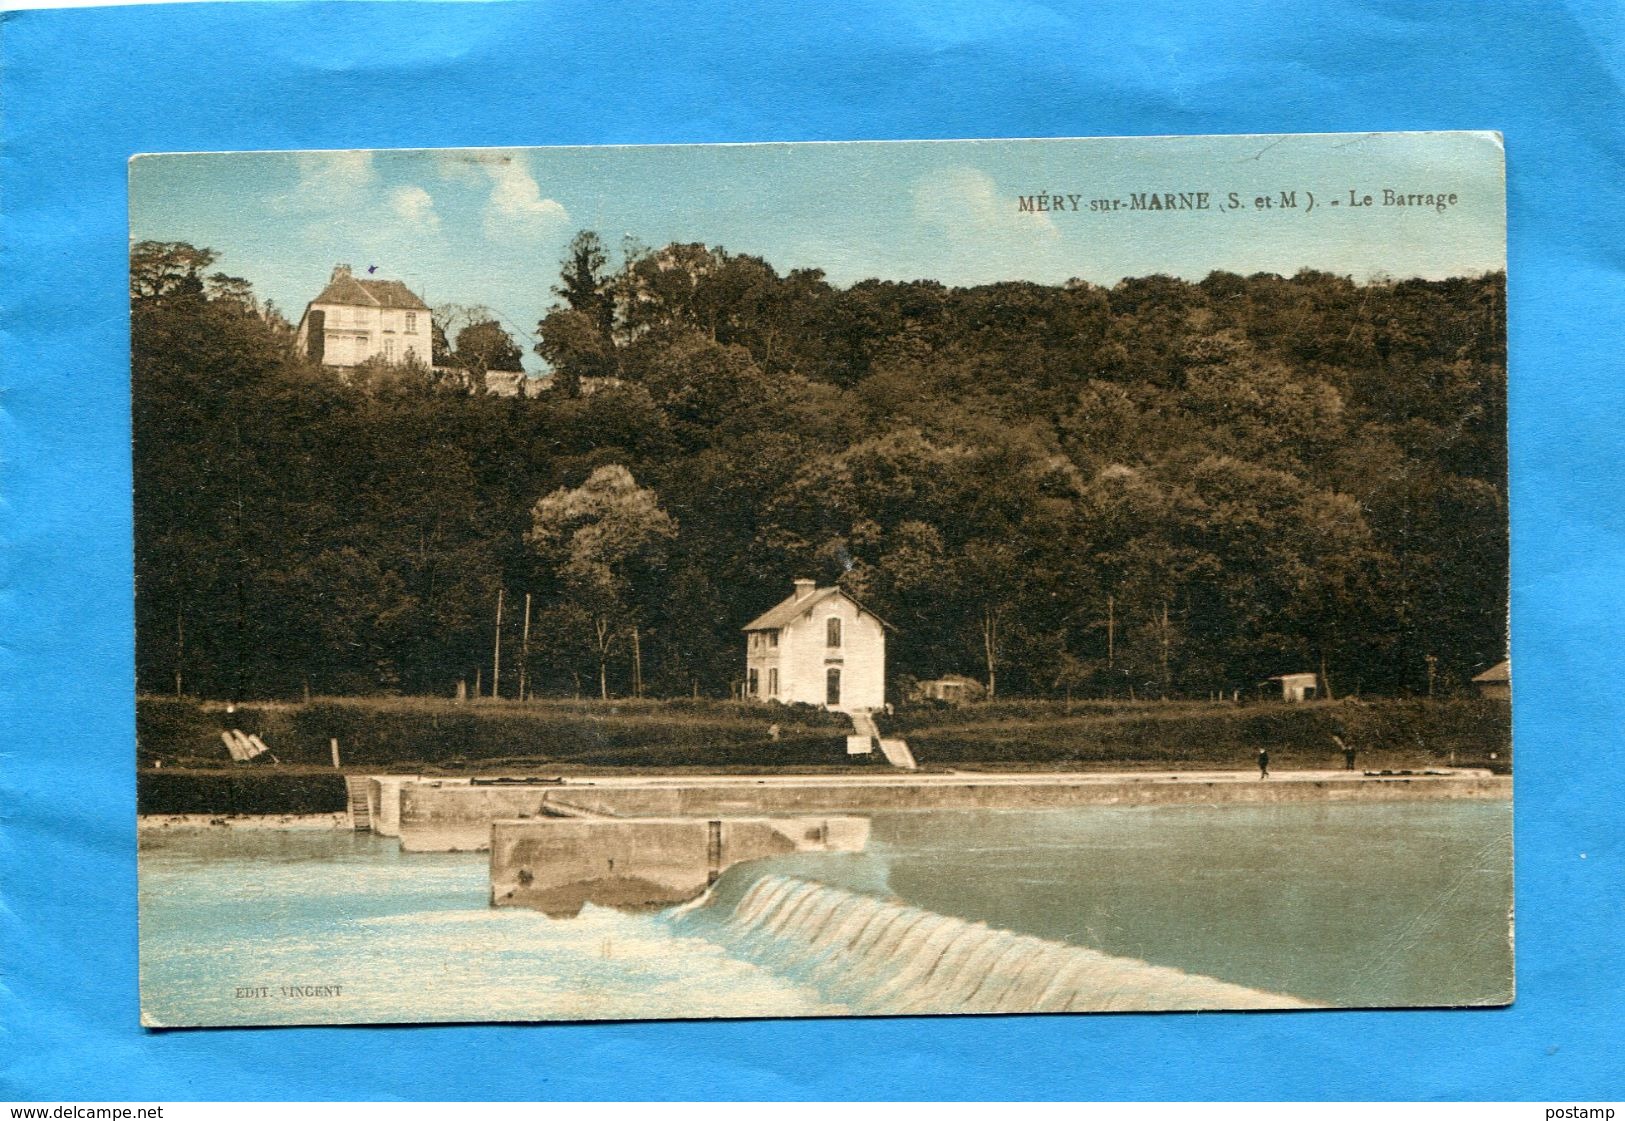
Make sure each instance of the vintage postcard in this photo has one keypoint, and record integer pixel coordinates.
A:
(822, 579)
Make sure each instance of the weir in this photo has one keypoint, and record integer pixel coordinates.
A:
(885, 958)
(557, 865)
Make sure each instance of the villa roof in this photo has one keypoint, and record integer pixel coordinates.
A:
(1502, 672)
(345, 289)
(784, 613)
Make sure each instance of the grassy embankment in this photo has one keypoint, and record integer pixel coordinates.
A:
(1202, 735)
(433, 736)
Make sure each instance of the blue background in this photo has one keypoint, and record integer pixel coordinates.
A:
(84, 90)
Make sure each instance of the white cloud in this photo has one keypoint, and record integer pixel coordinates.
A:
(516, 208)
(345, 207)
(415, 208)
(328, 181)
(966, 205)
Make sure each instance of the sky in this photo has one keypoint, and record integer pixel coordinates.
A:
(489, 226)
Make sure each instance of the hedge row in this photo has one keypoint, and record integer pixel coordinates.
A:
(1474, 732)
(920, 715)
(244, 792)
(429, 733)
(418, 732)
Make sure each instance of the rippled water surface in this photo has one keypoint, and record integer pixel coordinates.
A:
(1403, 903)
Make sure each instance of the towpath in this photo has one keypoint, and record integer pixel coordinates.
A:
(1013, 778)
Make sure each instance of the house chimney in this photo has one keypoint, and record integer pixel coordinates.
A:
(804, 588)
(340, 271)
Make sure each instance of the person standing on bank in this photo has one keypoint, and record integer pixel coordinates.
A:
(1347, 749)
(1263, 763)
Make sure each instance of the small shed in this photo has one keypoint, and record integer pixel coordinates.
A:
(1496, 681)
(952, 688)
(1296, 687)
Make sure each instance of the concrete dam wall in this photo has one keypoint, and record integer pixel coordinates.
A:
(884, 958)
(437, 815)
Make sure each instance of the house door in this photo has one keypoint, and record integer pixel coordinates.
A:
(832, 686)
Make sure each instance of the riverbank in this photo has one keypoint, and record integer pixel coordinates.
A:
(156, 823)
(433, 735)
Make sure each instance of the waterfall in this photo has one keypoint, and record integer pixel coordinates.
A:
(879, 956)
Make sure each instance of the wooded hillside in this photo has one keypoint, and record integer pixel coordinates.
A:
(1166, 486)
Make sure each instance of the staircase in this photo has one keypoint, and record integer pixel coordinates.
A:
(863, 724)
(898, 754)
(895, 750)
(359, 787)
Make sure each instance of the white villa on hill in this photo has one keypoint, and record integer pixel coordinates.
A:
(819, 647)
(355, 319)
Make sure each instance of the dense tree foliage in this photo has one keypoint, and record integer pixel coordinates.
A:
(1162, 486)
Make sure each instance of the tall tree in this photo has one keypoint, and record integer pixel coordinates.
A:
(486, 346)
(603, 540)
(584, 283)
(167, 268)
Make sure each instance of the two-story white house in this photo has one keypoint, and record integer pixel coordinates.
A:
(819, 647)
(355, 319)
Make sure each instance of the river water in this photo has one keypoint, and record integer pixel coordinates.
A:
(1369, 904)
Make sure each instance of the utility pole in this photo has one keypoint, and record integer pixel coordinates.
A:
(496, 652)
(1165, 681)
(524, 651)
(180, 645)
(1111, 631)
(637, 664)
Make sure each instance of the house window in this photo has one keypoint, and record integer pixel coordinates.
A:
(772, 682)
(772, 638)
(411, 323)
(389, 350)
(832, 633)
(751, 686)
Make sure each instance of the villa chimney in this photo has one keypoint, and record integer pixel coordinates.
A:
(340, 271)
(804, 588)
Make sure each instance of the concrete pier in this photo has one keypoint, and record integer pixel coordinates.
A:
(456, 816)
(557, 865)
(384, 799)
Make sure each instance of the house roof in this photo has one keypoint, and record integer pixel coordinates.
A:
(785, 612)
(351, 290)
(1502, 672)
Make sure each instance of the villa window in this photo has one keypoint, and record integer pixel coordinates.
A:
(772, 638)
(389, 350)
(772, 682)
(411, 323)
(832, 633)
(751, 687)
